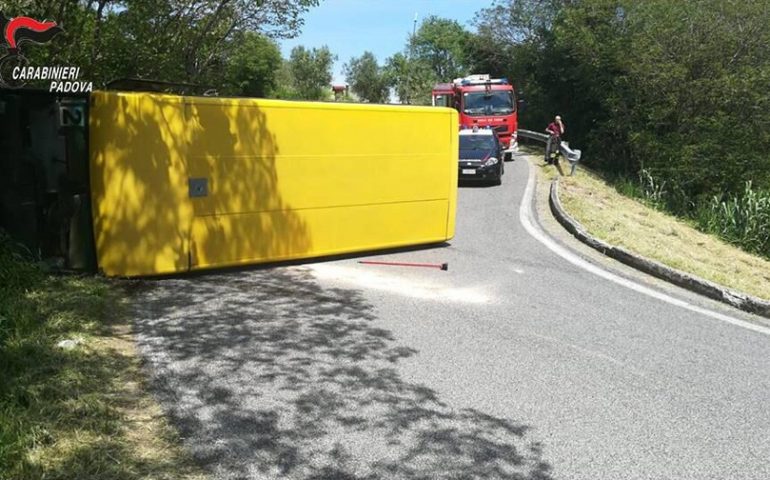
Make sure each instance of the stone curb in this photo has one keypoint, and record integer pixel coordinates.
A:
(690, 282)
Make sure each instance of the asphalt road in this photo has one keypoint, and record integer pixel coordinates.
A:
(514, 364)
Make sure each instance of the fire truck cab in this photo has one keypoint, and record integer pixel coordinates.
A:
(484, 102)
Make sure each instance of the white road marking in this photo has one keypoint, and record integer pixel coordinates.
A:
(526, 216)
(396, 284)
(588, 352)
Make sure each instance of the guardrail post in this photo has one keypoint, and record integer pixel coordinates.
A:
(573, 156)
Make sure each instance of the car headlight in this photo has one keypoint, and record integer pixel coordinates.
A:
(490, 161)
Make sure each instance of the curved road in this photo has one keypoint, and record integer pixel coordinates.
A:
(513, 364)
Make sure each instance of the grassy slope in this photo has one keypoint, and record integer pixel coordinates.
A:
(81, 413)
(629, 223)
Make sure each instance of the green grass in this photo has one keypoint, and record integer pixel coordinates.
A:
(636, 225)
(81, 413)
(742, 220)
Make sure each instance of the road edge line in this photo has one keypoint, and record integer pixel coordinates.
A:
(740, 300)
(527, 220)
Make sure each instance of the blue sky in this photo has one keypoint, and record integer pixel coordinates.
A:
(350, 27)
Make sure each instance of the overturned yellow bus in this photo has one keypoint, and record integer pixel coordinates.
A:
(181, 183)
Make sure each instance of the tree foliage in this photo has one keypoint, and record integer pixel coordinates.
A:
(410, 79)
(439, 43)
(437, 52)
(518, 22)
(675, 92)
(172, 40)
(254, 60)
(675, 88)
(367, 79)
(311, 72)
(679, 88)
(514, 39)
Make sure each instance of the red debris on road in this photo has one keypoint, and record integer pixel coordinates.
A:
(440, 266)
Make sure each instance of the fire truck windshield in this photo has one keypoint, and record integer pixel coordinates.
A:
(487, 103)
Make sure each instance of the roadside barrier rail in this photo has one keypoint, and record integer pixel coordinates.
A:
(572, 155)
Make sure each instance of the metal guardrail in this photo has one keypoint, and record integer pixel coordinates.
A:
(542, 137)
(572, 155)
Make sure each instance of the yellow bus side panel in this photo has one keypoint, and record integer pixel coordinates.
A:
(141, 211)
(268, 236)
(285, 180)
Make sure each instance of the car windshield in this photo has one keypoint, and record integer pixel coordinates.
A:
(477, 142)
(488, 103)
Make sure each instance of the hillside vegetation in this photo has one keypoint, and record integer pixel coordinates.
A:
(633, 224)
(668, 98)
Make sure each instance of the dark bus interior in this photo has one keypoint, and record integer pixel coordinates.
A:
(44, 184)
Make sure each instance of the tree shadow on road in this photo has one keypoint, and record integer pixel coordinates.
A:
(268, 375)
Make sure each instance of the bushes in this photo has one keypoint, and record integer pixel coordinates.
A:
(678, 89)
(17, 272)
(743, 220)
(17, 275)
(675, 88)
(668, 98)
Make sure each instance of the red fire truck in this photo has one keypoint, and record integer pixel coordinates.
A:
(484, 102)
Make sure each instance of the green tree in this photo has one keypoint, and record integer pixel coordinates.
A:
(285, 83)
(676, 88)
(518, 22)
(440, 44)
(311, 72)
(367, 79)
(681, 97)
(411, 79)
(514, 39)
(252, 64)
(167, 40)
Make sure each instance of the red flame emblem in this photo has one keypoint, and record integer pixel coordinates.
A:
(21, 29)
(25, 22)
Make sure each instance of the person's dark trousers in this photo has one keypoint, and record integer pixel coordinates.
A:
(552, 149)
